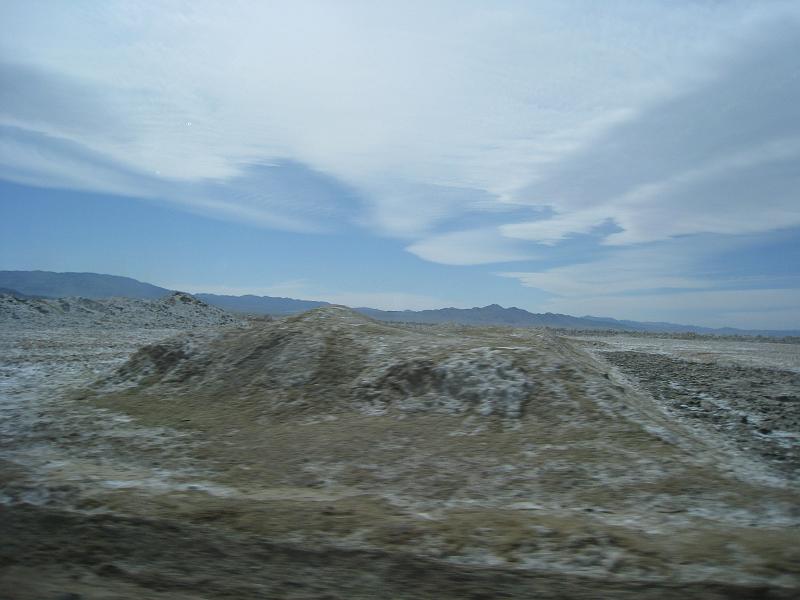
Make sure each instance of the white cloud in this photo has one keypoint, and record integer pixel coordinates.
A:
(589, 280)
(718, 157)
(671, 281)
(549, 231)
(751, 191)
(470, 247)
(673, 264)
(429, 96)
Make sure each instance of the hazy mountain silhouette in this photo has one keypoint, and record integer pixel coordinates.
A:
(86, 285)
(268, 305)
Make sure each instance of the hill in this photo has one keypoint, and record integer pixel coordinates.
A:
(462, 445)
(175, 310)
(85, 285)
(15, 293)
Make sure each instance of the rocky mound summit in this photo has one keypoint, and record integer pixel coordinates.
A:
(481, 446)
(175, 310)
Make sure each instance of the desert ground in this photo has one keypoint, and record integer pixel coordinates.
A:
(330, 456)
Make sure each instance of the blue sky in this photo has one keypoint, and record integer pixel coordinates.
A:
(629, 159)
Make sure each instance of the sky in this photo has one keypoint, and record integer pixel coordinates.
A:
(635, 159)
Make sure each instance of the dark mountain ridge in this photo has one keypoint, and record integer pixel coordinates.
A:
(494, 314)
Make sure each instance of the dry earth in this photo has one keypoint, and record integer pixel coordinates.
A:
(745, 394)
(330, 456)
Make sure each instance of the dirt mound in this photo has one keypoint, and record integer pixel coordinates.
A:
(332, 360)
(477, 446)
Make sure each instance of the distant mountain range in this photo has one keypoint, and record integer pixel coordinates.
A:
(46, 284)
(494, 314)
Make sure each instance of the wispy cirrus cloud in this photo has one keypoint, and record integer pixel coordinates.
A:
(412, 106)
(471, 247)
(718, 158)
(628, 270)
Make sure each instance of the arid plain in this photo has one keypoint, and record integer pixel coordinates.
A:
(327, 455)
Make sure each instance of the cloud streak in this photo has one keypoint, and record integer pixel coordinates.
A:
(409, 106)
(470, 247)
(715, 159)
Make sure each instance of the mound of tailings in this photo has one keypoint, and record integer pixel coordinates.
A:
(508, 448)
(333, 360)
